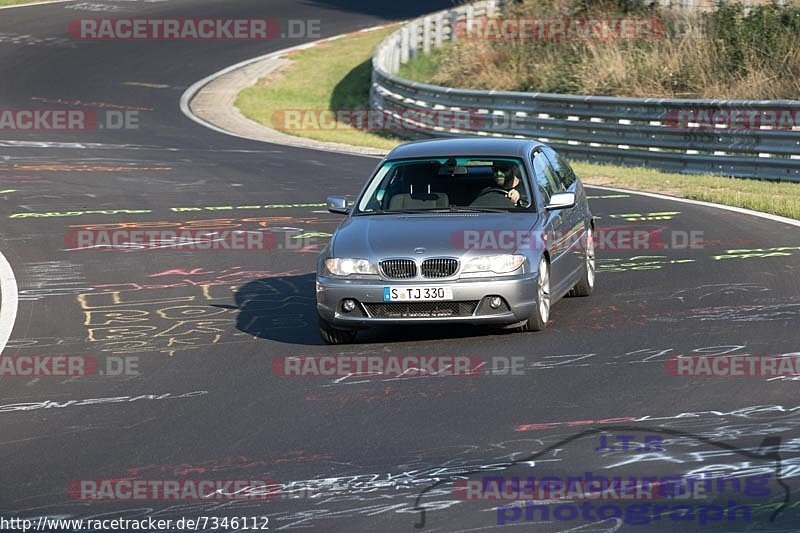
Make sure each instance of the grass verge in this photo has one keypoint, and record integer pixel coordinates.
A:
(424, 66)
(770, 197)
(330, 76)
(336, 75)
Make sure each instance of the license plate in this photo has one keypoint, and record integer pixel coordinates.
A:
(417, 294)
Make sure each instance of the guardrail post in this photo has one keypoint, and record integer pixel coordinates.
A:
(404, 45)
(439, 30)
(396, 56)
(413, 39)
(426, 35)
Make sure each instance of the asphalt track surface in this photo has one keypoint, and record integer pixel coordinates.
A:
(205, 326)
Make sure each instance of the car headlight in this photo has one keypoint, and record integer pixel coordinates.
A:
(499, 264)
(345, 266)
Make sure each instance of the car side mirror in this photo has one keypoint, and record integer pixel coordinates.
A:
(561, 200)
(338, 205)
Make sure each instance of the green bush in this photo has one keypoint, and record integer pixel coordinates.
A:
(728, 53)
(764, 36)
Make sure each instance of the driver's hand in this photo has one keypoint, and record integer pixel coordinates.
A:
(513, 194)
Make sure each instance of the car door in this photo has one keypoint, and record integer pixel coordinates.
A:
(555, 223)
(573, 219)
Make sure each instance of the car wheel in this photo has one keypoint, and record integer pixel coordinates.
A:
(585, 286)
(538, 318)
(332, 335)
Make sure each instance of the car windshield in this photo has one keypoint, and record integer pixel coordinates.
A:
(447, 184)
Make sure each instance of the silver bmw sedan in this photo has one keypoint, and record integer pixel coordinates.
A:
(477, 231)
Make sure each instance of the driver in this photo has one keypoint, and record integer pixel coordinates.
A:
(507, 180)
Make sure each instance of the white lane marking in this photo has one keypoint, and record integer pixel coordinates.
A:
(8, 301)
(768, 216)
(37, 4)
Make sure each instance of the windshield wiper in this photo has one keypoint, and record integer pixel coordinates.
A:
(454, 209)
(395, 212)
(458, 209)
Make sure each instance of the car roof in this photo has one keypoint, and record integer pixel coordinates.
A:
(470, 146)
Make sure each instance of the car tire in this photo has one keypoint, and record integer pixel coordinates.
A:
(585, 286)
(332, 335)
(538, 318)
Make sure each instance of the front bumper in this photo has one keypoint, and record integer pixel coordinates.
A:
(470, 304)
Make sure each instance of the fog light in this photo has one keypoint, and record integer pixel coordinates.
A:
(348, 305)
(495, 302)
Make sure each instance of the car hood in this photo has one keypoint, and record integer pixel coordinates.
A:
(379, 236)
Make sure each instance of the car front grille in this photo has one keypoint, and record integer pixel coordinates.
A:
(421, 309)
(399, 268)
(439, 268)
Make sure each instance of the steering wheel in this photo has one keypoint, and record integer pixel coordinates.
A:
(484, 199)
(497, 190)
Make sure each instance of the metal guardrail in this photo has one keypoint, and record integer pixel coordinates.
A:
(627, 131)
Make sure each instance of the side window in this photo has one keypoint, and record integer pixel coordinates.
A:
(564, 174)
(565, 171)
(546, 178)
